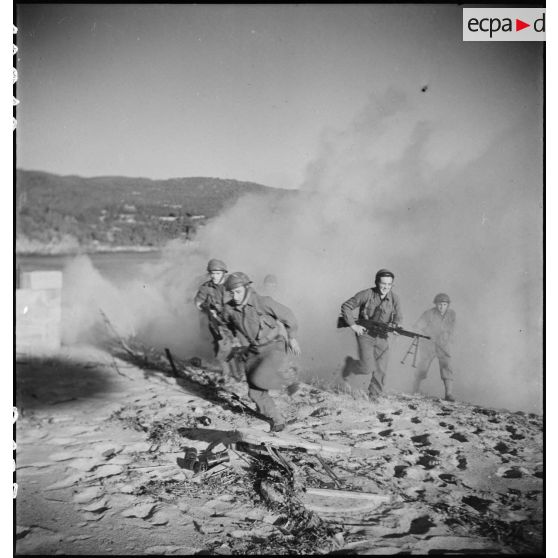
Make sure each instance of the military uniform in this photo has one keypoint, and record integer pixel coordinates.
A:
(373, 347)
(267, 326)
(211, 298)
(440, 329)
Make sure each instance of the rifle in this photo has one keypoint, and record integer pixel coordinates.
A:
(212, 312)
(382, 328)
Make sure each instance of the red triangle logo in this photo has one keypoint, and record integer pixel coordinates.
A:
(519, 25)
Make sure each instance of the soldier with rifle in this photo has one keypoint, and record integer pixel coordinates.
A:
(210, 299)
(439, 323)
(269, 328)
(379, 313)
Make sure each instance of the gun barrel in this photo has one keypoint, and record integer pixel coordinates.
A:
(386, 328)
(406, 333)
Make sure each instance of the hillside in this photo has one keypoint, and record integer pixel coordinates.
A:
(104, 438)
(93, 213)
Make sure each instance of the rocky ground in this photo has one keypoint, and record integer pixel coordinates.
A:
(103, 441)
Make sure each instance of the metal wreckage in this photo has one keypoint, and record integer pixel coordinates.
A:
(376, 489)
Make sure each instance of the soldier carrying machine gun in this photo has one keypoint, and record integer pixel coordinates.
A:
(381, 329)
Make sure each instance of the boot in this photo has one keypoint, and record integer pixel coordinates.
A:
(448, 384)
(277, 426)
(416, 385)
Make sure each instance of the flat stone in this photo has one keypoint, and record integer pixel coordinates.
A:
(121, 501)
(140, 510)
(87, 495)
(163, 516)
(96, 507)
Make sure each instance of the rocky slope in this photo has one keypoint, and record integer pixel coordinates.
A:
(102, 448)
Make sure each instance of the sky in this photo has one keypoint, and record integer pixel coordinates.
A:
(247, 91)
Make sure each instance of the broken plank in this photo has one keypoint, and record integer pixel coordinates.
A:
(289, 441)
(327, 502)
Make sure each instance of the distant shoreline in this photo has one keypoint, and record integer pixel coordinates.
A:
(63, 251)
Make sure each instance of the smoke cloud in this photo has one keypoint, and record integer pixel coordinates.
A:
(446, 203)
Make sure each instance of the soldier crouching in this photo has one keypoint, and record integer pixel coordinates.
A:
(259, 318)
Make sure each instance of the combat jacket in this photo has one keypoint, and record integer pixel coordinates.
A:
(371, 306)
(439, 328)
(211, 295)
(258, 319)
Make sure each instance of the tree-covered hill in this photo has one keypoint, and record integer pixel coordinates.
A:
(101, 212)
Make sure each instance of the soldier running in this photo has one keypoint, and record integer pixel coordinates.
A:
(379, 304)
(258, 319)
(439, 323)
(210, 299)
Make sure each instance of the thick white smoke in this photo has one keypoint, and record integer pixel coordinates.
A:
(448, 207)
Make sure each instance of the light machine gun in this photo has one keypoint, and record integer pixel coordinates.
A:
(380, 328)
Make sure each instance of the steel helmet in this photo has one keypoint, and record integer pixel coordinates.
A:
(216, 265)
(383, 273)
(270, 279)
(236, 279)
(441, 297)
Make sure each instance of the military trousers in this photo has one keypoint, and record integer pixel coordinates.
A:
(373, 354)
(427, 353)
(264, 372)
(223, 343)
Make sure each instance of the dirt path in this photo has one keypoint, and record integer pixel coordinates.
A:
(100, 450)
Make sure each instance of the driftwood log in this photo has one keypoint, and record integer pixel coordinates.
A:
(289, 441)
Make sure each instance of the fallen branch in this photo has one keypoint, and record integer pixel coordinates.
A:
(171, 361)
(110, 327)
(329, 471)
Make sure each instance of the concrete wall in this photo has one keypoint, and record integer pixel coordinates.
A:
(39, 312)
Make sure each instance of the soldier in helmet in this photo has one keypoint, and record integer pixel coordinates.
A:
(438, 323)
(381, 304)
(210, 299)
(270, 285)
(259, 318)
